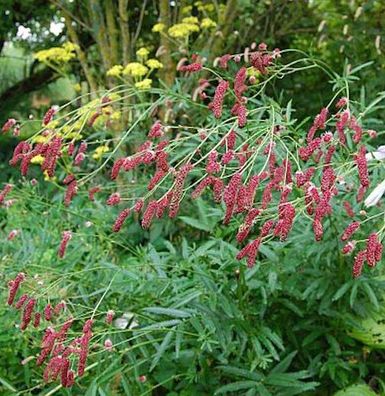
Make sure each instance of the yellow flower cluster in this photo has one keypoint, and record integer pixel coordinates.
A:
(62, 54)
(116, 115)
(208, 23)
(99, 151)
(181, 30)
(142, 53)
(77, 87)
(144, 84)
(154, 64)
(41, 139)
(251, 71)
(37, 159)
(135, 69)
(190, 19)
(186, 10)
(115, 71)
(158, 27)
(48, 178)
(204, 7)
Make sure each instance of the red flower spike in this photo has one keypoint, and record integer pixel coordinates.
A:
(64, 372)
(340, 125)
(48, 311)
(178, 189)
(371, 249)
(239, 82)
(36, 319)
(79, 159)
(92, 191)
(348, 209)
(13, 287)
(62, 334)
(359, 261)
(155, 131)
(110, 316)
(53, 368)
(61, 306)
(116, 168)
(138, 205)
(10, 123)
(20, 302)
(250, 251)
(286, 220)
(318, 229)
(71, 191)
(192, 68)
(66, 237)
(6, 190)
(362, 167)
(230, 196)
(120, 220)
(158, 176)
(207, 181)
(149, 213)
(223, 61)
(218, 187)
(319, 123)
(341, 103)
(217, 103)
(212, 165)
(113, 199)
(267, 195)
(48, 116)
(350, 230)
(248, 223)
(48, 343)
(348, 248)
(357, 130)
(27, 313)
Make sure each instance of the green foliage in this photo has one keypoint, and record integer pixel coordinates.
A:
(196, 321)
(201, 324)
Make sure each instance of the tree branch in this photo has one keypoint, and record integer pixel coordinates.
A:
(29, 84)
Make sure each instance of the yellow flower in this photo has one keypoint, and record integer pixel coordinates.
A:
(142, 53)
(207, 7)
(77, 87)
(115, 71)
(144, 84)
(40, 139)
(251, 71)
(181, 30)
(107, 110)
(159, 27)
(208, 23)
(47, 178)
(114, 96)
(99, 151)
(154, 64)
(52, 125)
(186, 10)
(135, 69)
(57, 54)
(116, 115)
(190, 19)
(38, 159)
(70, 47)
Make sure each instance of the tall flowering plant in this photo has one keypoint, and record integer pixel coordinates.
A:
(249, 157)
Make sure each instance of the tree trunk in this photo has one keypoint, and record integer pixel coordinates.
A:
(112, 31)
(167, 74)
(80, 53)
(123, 20)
